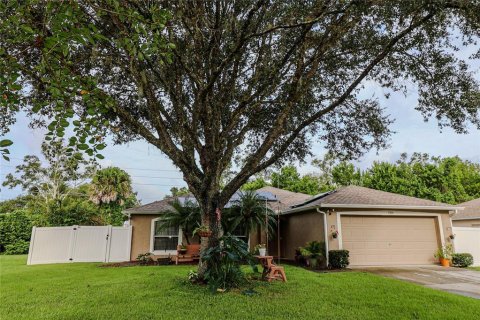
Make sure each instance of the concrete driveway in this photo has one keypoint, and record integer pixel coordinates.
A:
(454, 280)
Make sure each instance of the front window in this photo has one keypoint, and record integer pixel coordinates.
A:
(240, 233)
(165, 239)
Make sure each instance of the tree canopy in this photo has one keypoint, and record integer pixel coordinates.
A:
(111, 189)
(449, 179)
(55, 180)
(208, 81)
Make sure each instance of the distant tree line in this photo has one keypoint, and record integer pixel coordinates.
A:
(445, 179)
(64, 189)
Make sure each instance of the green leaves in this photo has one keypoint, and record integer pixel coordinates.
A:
(82, 146)
(5, 143)
(4, 152)
(100, 146)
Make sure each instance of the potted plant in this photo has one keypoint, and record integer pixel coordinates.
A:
(182, 249)
(312, 252)
(262, 250)
(307, 257)
(335, 234)
(444, 255)
(203, 231)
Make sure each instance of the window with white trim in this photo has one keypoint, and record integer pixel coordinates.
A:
(165, 239)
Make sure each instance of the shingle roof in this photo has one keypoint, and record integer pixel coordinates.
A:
(153, 207)
(163, 205)
(285, 198)
(361, 196)
(471, 211)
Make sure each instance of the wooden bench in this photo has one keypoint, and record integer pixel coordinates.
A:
(270, 270)
(192, 254)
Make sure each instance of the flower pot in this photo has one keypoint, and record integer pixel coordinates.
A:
(182, 251)
(445, 262)
(262, 252)
(205, 234)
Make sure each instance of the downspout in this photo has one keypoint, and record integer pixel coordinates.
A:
(325, 232)
(452, 240)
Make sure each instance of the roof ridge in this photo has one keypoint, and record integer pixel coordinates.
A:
(352, 195)
(398, 194)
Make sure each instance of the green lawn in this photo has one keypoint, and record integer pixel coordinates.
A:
(85, 291)
(475, 268)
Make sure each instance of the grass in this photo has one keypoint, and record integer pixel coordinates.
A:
(475, 268)
(86, 291)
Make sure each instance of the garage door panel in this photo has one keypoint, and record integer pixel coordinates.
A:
(377, 240)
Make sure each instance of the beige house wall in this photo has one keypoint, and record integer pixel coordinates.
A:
(475, 223)
(297, 230)
(142, 234)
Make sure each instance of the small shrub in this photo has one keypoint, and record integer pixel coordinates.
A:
(144, 259)
(338, 259)
(462, 260)
(193, 276)
(19, 247)
(224, 261)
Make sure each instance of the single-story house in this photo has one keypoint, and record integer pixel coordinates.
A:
(469, 216)
(378, 228)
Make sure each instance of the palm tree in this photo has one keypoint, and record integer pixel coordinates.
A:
(249, 213)
(111, 188)
(186, 215)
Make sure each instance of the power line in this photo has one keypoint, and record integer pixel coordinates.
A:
(176, 178)
(143, 169)
(150, 177)
(127, 168)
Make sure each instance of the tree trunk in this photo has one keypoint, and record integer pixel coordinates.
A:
(211, 217)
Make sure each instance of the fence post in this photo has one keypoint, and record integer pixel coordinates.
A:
(129, 246)
(30, 248)
(73, 240)
(109, 243)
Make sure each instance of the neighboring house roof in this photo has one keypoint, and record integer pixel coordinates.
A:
(151, 208)
(286, 199)
(361, 197)
(471, 211)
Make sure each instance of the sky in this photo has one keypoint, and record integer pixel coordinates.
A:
(153, 174)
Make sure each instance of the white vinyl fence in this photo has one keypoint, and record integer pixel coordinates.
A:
(467, 240)
(79, 244)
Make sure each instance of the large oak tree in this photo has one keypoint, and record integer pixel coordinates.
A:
(242, 84)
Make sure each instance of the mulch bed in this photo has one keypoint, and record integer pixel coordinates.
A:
(119, 264)
(136, 263)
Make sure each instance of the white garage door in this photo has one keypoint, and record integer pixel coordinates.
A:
(378, 240)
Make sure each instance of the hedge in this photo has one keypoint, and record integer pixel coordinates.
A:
(15, 232)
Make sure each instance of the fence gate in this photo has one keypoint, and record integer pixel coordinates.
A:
(79, 244)
(467, 240)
